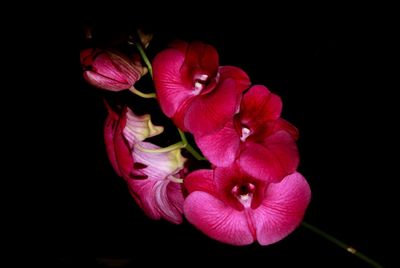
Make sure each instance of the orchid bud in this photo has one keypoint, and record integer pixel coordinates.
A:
(109, 70)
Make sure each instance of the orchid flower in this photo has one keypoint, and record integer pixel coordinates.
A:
(193, 90)
(233, 207)
(257, 138)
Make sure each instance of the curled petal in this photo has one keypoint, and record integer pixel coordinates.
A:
(117, 148)
(144, 195)
(169, 200)
(158, 198)
(159, 165)
(109, 132)
(139, 128)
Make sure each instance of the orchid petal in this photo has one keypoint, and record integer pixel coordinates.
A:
(220, 148)
(209, 113)
(170, 88)
(282, 209)
(271, 161)
(217, 220)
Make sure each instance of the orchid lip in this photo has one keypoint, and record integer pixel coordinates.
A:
(246, 132)
(244, 193)
(200, 82)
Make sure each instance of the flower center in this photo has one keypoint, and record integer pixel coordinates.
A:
(200, 81)
(246, 132)
(244, 193)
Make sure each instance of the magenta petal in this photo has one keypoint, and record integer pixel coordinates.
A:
(170, 88)
(202, 56)
(109, 70)
(104, 82)
(109, 130)
(171, 210)
(117, 147)
(282, 124)
(200, 180)
(260, 105)
(175, 196)
(156, 194)
(159, 165)
(158, 198)
(217, 220)
(282, 209)
(272, 161)
(179, 117)
(210, 112)
(221, 147)
(143, 193)
(242, 80)
(122, 151)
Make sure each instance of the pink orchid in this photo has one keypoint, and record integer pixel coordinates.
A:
(235, 208)
(110, 70)
(151, 177)
(257, 138)
(193, 90)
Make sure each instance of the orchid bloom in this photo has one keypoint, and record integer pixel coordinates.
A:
(235, 208)
(152, 178)
(193, 90)
(257, 138)
(110, 70)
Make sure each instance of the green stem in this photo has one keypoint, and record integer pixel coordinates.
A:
(141, 94)
(170, 148)
(194, 152)
(189, 147)
(341, 244)
(145, 58)
(183, 137)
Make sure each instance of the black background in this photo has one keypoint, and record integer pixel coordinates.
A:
(331, 70)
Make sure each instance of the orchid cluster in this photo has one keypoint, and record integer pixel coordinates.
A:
(252, 190)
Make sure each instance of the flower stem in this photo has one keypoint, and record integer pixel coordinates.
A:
(341, 244)
(189, 147)
(183, 137)
(144, 57)
(141, 94)
(194, 152)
